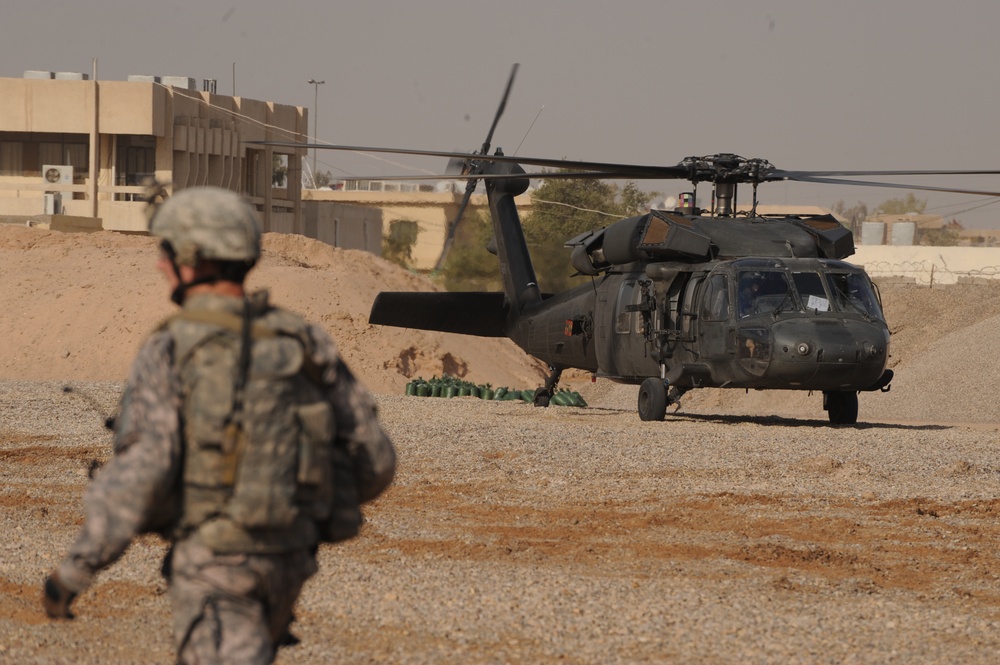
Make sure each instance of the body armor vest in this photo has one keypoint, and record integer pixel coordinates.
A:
(260, 462)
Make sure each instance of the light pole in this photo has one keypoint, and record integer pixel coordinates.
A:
(316, 84)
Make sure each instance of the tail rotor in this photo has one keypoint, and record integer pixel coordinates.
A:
(472, 166)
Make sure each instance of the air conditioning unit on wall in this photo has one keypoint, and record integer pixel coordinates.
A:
(52, 203)
(57, 174)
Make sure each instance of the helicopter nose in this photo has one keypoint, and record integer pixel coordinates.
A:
(828, 355)
(872, 351)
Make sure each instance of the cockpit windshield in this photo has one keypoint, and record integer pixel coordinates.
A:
(811, 291)
(771, 291)
(852, 292)
(764, 291)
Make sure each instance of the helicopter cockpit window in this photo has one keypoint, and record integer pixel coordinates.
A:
(852, 292)
(811, 291)
(715, 301)
(764, 291)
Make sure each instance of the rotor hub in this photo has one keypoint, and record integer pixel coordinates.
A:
(726, 168)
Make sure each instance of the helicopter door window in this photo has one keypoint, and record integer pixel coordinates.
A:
(688, 306)
(623, 323)
(811, 291)
(715, 301)
(640, 324)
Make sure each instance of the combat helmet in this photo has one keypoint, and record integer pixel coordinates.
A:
(207, 223)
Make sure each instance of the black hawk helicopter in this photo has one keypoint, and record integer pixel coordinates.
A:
(679, 299)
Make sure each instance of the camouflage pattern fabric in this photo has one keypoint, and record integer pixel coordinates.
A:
(208, 223)
(137, 492)
(258, 470)
(131, 492)
(233, 608)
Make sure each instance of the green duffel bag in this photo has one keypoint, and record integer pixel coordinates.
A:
(559, 399)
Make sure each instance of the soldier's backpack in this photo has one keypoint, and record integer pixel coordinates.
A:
(262, 471)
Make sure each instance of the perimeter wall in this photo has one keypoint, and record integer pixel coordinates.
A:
(928, 265)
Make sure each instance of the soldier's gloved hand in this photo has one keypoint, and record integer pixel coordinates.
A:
(56, 598)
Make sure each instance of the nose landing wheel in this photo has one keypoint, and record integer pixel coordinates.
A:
(841, 406)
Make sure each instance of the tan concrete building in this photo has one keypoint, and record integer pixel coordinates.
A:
(85, 146)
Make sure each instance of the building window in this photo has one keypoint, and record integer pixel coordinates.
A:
(24, 153)
(135, 159)
(11, 158)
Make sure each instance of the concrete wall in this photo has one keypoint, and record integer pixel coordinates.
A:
(344, 225)
(340, 225)
(38, 105)
(28, 105)
(927, 265)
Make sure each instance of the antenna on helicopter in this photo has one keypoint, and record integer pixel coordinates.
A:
(472, 167)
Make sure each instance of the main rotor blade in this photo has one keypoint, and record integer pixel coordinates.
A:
(795, 175)
(648, 172)
(895, 185)
(565, 175)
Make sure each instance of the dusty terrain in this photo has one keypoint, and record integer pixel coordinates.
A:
(742, 529)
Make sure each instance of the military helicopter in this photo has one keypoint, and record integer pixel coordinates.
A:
(679, 299)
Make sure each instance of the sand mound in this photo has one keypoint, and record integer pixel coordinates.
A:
(79, 305)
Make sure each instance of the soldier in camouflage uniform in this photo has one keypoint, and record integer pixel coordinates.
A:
(243, 438)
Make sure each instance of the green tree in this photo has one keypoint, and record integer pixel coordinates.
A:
(902, 206)
(948, 235)
(397, 245)
(563, 209)
(316, 180)
(854, 215)
(632, 200)
(322, 179)
(469, 266)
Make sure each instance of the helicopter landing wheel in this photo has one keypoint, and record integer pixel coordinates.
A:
(542, 397)
(652, 399)
(841, 406)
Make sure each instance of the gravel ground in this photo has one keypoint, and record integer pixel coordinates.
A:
(523, 535)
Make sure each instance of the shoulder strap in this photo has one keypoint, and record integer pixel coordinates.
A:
(234, 323)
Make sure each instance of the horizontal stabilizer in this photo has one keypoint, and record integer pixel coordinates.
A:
(477, 313)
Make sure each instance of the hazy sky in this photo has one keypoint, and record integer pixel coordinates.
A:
(852, 84)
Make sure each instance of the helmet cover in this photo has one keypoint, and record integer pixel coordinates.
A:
(208, 223)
